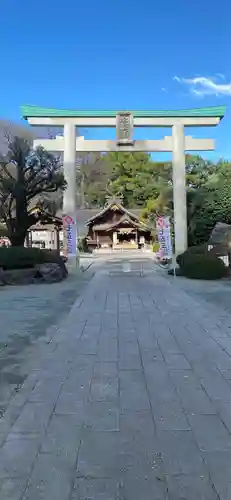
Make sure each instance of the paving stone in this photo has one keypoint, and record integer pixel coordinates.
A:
(226, 374)
(224, 412)
(132, 423)
(46, 389)
(210, 432)
(190, 488)
(104, 389)
(147, 488)
(177, 361)
(101, 416)
(12, 488)
(105, 369)
(96, 489)
(139, 455)
(52, 478)
(152, 354)
(219, 356)
(170, 416)
(87, 346)
(180, 453)
(67, 404)
(160, 386)
(98, 455)
(17, 456)
(79, 385)
(212, 380)
(133, 392)
(219, 463)
(33, 419)
(225, 344)
(193, 396)
(62, 436)
(108, 350)
(129, 356)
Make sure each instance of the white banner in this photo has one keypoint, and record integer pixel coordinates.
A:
(70, 228)
(163, 227)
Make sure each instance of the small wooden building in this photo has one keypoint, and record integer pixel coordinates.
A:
(46, 232)
(116, 227)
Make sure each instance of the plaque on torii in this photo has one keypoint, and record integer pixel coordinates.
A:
(124, 128)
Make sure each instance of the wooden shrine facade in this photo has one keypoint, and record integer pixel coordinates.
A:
(117, 228)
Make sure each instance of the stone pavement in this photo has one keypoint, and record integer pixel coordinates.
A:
(28, 314)
(129, 400)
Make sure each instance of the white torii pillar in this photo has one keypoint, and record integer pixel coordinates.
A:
(69, 195)
(179, 189)
(68, 145)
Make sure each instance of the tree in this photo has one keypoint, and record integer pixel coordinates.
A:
(26, 176)
(210, 203)
(134, 177)
(93, 176)
(198, 171)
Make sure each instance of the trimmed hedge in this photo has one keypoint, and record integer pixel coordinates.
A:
(25, 258)
(202, 266)
(196, 250)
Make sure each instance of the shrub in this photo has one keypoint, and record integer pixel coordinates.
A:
(202, 266)
(82, 245)
(195, 250)
(23, 258)
(156, 247)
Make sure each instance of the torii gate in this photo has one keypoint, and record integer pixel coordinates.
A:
(124, 121)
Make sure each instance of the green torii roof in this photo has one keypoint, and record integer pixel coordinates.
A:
(36, 111)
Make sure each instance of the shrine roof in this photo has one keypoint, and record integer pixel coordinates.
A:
(125, 219)
(31, 111)
(110, 206)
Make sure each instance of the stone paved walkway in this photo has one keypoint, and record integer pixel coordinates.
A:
(28, 314)
(131, 400)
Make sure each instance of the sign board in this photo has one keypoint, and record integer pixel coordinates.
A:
(124, 128)
(70, 229)
(163, 227)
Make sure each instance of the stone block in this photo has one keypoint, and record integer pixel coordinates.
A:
(98, 456)
(180, 453)
(210, 432)
(101, 416)
(17, 456)
(52, 478)
(97, 489)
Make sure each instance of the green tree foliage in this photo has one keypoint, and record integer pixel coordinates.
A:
(27, 177)
(210, 204)
(148, 184)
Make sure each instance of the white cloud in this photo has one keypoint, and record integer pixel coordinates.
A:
(164, 89)
(201, 85)
(177, 79)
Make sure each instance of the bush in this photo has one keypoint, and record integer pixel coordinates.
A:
(155, 247)
(24, 258)
(82, 245)
(195, 250)
(202, 266)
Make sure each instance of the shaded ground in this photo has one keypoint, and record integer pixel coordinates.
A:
(26, 314)
(211, 294)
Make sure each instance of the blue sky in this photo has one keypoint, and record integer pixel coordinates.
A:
(115, 55)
